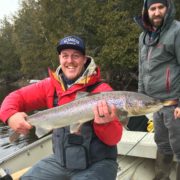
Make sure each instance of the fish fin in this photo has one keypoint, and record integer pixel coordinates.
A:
(123, 117)
(121, 113)
(40, 132)
(81, 94)
(14, 137)
(75, 128)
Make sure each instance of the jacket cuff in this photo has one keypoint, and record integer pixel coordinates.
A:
(109, 133)
(6, 115)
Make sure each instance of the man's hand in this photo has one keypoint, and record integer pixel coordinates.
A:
(104, 113)
(177, 113)
(18, 123)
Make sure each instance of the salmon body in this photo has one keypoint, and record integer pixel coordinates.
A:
(81, 109)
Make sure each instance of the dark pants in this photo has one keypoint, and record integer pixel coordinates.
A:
(49, 168)
(167, 132)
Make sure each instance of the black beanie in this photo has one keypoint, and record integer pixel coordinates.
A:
(150, 2)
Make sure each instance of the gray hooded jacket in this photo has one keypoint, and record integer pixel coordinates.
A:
(159, 58)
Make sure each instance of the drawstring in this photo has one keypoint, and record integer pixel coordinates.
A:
(153, 40)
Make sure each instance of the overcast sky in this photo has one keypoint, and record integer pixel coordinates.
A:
(8, 7)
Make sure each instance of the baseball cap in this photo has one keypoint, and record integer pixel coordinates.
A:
(71, 42)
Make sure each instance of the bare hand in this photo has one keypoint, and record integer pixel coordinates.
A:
(177, 113)
(18, 123)
(104, 113)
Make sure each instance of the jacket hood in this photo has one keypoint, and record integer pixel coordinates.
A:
(143, 19)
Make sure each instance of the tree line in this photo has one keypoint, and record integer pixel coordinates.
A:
(28, 40)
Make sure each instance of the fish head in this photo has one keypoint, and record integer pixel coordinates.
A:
(144, 106)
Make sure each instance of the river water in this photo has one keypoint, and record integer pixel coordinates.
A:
(6, 147)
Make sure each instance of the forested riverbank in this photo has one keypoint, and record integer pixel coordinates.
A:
(28, 40)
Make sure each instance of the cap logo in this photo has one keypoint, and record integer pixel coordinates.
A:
(71, 41)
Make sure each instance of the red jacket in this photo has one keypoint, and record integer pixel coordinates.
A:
(41, 95)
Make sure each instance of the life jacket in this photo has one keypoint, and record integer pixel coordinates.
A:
(78, 151)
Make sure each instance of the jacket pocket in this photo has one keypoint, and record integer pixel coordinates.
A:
(75, 157)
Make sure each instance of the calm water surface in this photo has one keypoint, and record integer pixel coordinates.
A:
(6, 147)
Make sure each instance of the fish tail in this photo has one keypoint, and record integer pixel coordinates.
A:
(14, 137)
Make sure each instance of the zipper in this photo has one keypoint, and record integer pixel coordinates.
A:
(149, 54)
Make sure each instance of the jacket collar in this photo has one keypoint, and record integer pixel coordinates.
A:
(89, 76)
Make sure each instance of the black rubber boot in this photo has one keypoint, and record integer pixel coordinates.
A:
(178, 171)
(163, 166)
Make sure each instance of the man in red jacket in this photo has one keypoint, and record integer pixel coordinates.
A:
(90, 154)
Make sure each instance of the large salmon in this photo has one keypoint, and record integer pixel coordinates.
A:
(81, 110)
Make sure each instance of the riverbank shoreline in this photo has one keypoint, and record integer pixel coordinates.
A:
(18, 83)
(21, 82)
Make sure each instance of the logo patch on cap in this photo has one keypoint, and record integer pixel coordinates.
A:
(71, 41)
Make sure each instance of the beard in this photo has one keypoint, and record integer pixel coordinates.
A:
(156, 21)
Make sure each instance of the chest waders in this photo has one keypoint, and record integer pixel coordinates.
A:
(78, 151)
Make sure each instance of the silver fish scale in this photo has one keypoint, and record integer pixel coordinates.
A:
(81, 110)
